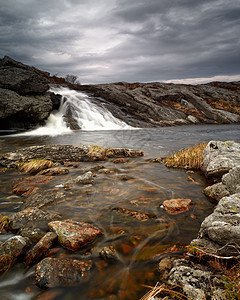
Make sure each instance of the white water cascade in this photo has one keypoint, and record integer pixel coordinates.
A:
(87, 114)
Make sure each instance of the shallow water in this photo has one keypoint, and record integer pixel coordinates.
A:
(136, 241)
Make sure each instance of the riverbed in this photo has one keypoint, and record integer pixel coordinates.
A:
(138, 242)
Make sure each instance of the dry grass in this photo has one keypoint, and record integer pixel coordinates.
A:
(4, 222)
(190, 158)
(36, 165)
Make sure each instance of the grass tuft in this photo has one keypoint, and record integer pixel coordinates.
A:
(190, 158)
(35, 166)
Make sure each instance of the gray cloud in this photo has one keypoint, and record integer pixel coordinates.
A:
(116, 40)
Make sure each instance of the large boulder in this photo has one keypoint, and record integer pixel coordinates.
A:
(24, 100)
(220, 157)
(20, 78)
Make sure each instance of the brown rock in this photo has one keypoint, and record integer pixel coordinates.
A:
(176, 206)
(40, 248)
(74, 235)
(52, 272)
(25, 186)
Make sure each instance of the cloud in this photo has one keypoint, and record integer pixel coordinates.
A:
(121, 40)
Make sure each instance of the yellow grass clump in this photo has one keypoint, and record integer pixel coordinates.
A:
(190, 158)
(35, 166)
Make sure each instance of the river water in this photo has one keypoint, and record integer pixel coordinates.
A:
(138, 242)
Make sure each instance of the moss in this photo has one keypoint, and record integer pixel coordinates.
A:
(190, 158)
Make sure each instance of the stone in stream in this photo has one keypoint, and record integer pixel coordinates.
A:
(31, 217)
(74, 235)
(176, 206)
(53, 272)
(11, 250)
(216, 191)
(108, 253)
(25, 186)
(86, 178)
(41, 248)
(33, 233)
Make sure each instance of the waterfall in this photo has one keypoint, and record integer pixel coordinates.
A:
(77, 110)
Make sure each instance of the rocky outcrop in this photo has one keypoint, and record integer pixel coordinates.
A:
(24, 100)
(162, 104)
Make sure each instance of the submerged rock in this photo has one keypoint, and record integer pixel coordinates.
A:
(176, 206)
(25, 186)
(31, 217)
(74, 235)
(54, 171)
(108, 253)
(33, 233)
(53, 272)
(41, 248)
(11, 250)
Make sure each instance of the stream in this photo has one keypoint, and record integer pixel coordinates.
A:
(138, 242)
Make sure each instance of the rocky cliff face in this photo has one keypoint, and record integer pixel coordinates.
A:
(162, 104)
(24, 100)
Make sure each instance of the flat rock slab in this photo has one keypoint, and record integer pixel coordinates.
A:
(176, 206)
(25, 186)
(31, 217)
(74, 235)
(52, 272)
(11, 250)
(220, 157)
(41, 248)
(66, 153)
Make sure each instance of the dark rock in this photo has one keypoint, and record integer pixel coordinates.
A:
(25, 186)
(176, 206)
(11, 250)
(219, 157)
(31, 217)
(21, 78)
(41, 248)
(56, 100)
(52, 272)
(74, 235)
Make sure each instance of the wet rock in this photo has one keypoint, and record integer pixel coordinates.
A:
(197, 282)
(11, 250)
(54, 171)
(66, 153)
(108, 253)
(108, 171)
(86, 178)
(52, 272)
(74, 235)
(176, 206)
(220, 231)
(220, 157)
(120, 160)
(41, 199)
(216, 191)
(41, 248)
(31, 217)
(33, 233)
(25, 186)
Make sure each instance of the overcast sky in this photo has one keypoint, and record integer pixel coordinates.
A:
(125, 40)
